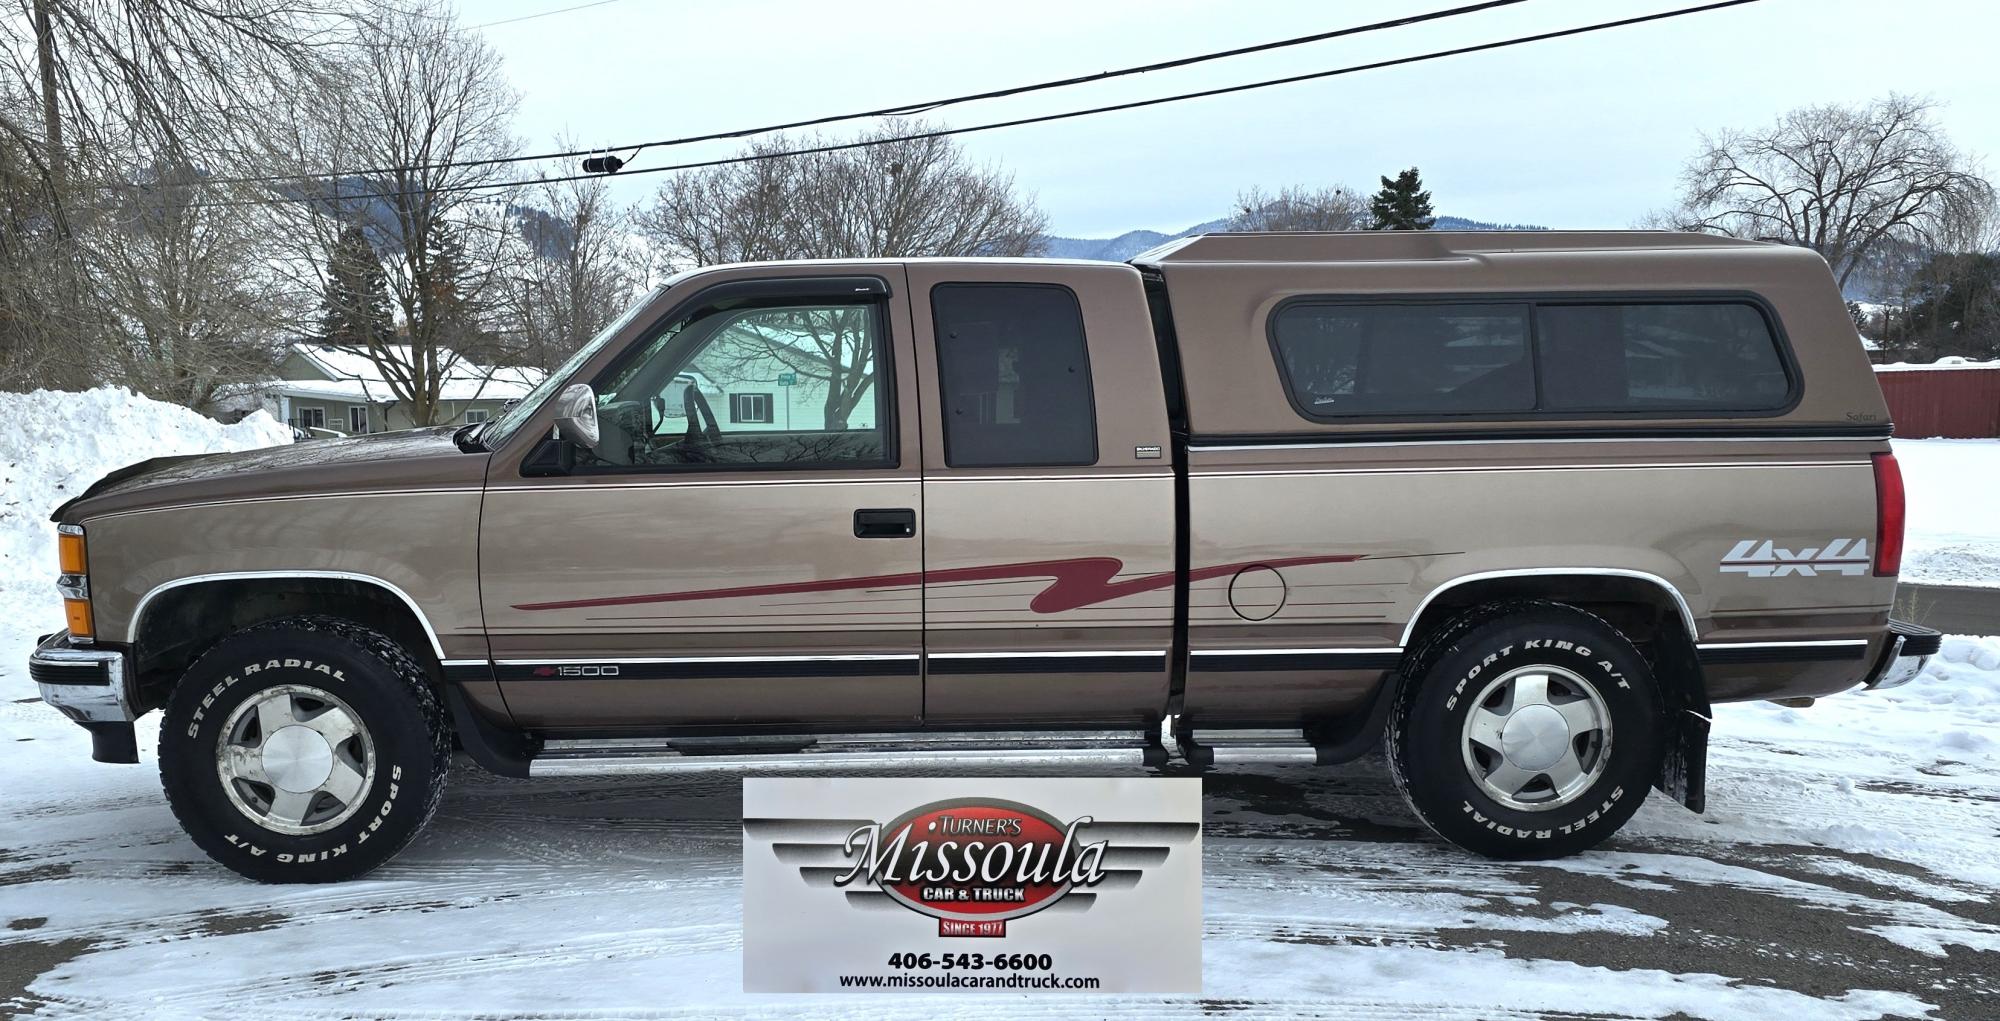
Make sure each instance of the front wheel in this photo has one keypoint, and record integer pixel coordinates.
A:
(304, 750)
(1530, 730)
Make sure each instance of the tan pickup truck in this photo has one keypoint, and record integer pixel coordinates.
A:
(1516, 506)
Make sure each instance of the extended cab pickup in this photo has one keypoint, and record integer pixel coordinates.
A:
(1516, 506)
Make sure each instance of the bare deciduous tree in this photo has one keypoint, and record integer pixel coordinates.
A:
(418, 100)
(191, 308)
(1299, 208)
(577, 272)
(892, 199)
(915, 197)
(1844, 181)
(102, 95)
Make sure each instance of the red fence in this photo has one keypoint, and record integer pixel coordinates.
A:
(1959, 403)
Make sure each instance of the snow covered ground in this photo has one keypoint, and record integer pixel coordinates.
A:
(1845, 868)
(1954, 501)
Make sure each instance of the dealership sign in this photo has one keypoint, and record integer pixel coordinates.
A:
(879, 885)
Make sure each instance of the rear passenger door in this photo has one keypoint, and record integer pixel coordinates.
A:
(1048, 495)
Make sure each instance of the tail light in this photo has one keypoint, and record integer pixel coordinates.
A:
(1889, 515)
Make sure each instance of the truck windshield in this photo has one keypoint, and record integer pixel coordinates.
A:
(511, 420)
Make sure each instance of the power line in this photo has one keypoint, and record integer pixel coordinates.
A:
(1042, 119)
(544, 14)
(902, 109)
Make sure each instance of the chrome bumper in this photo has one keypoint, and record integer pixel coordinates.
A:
(86, 683)
(1910, 646)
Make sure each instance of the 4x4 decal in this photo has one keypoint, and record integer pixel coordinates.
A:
(1763, 558)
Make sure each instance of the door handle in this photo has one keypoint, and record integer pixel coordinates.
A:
(879, 523)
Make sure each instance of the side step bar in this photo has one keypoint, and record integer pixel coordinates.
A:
(623, 757)
(615, 756)
(510, 753)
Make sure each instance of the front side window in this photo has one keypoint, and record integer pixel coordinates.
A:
(1352, 359)
(701, 391)
(1014, 376)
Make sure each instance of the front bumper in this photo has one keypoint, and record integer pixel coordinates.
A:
(1903, 656)
(93, 686)
(87, 683)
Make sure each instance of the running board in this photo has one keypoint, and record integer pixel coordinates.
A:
(615, 756)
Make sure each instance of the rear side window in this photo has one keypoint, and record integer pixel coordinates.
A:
(1014, 376)
(1406, 359)
(1520, 358)
(1692, 357)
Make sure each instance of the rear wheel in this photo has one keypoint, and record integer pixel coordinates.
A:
(304, 750)
(1528, 730)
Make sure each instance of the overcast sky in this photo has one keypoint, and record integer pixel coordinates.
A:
(1580, 132)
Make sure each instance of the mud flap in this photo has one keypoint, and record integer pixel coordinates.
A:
(113, 742)
(1684, 767)
(1684, 770)
(499, 750)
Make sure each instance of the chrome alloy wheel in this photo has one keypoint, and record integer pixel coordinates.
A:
(296, 760)
(1537, 738)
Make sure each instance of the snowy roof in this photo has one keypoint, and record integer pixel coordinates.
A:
(352, 375)
(1947, 362)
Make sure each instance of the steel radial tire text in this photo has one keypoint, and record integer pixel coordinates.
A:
(304, 750)
(1526, 730)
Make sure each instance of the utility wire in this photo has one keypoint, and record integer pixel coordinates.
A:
(1045, 118)
(902, 109)
(544, 14)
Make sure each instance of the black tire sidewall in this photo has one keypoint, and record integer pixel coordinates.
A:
(1430, 759)
(400, 795)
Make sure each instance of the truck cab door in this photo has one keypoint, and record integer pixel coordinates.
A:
(743, 545)
(1048, 495)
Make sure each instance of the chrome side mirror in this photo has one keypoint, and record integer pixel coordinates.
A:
(576, 415)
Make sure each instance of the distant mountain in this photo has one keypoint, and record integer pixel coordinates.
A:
(1132, 242)
(1461, 223)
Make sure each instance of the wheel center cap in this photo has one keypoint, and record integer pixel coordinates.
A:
(297, 759)
(1535, 737)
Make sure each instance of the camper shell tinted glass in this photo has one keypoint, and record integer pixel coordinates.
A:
(1528, 357)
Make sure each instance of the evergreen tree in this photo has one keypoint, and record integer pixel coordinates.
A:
(1402, 204)
(354, 307)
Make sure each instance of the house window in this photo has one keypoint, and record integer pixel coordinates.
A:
(312, 418)
(750, 408)
(474, 416)
(357, 419)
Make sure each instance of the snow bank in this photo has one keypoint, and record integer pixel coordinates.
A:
(1953, 534)
(54, 444)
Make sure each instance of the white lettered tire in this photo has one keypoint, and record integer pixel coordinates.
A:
(304, 750)
(1526, 730)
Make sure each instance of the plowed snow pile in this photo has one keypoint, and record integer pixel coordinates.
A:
(54, 444)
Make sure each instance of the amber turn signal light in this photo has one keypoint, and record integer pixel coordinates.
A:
(69, 552)
(77, 613)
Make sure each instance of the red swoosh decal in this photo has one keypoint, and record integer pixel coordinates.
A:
(1074, 583)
